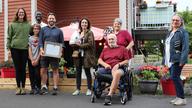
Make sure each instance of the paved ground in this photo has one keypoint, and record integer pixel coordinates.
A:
(64, 100)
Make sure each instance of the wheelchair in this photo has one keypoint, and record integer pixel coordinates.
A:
(103, 82)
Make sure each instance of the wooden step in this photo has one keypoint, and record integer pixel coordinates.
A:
(187, 70)
(65, 84)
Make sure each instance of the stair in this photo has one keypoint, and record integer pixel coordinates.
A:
(187, 70)
(65, 84)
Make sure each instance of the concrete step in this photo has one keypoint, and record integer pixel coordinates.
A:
(65, 84)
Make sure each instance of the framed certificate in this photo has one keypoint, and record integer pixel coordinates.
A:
(53, 49)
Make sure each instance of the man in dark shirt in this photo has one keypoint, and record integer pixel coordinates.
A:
(113, 58)
(50, 33)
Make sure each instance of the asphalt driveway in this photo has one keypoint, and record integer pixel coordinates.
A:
(65, 100)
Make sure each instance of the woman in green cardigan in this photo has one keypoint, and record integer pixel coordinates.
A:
(17, 45)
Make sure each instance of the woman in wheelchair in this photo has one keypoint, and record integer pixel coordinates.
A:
(112, 59)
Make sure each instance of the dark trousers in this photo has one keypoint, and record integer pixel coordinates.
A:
(20, 59)
(34, 75)
(78, 75)
(175, 71)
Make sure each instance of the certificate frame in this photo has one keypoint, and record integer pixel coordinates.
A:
(52, 49)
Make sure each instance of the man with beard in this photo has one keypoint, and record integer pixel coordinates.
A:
(113, 59)
(50, 33)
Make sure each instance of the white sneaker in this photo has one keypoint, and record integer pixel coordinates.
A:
(174, 100)
(77, 92)
(88, 93)
(180, 102)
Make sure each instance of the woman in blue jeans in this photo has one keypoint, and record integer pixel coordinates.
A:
(175, 56)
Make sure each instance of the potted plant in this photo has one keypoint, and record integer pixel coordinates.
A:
(61, 67)
(148, 79)
(167, 84)
(190, 82)
(7, 69)
(62, 62)
(71, 73)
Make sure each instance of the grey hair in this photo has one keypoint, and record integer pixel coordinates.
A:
(118, 20)
(181, 19)
(112, 34)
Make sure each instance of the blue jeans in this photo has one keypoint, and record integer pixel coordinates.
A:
(175, 72)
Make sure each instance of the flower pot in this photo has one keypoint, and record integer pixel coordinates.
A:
(61, 74)
(148, 86)
(50, 74)
(168, 87)
(7, 73)
(71, 75)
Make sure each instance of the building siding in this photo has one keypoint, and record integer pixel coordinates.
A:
(2, 33)
(46, 6)
(13, 5)
(100, 12)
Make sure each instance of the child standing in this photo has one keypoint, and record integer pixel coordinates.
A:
(33, 62)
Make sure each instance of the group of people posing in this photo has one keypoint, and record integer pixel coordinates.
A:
(27, 45)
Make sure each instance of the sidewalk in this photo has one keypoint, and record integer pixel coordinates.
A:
(65, 100)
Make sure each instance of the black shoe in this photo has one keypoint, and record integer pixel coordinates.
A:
(107, 100)
(32, 92)
(36, 91)
(55, 91)
(44, 91)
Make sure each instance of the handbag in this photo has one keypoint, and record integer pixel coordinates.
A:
(75, 54)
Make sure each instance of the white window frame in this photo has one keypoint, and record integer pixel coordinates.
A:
(1, 6)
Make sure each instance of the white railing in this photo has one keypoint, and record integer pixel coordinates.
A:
(153, 17)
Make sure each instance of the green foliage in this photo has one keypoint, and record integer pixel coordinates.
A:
(189, 80)
(189, 61)
(187, 17)
(61, 64)
(154, 47)
(71, 70)
(149, 75)
(6, 64)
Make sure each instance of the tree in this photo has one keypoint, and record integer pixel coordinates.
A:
(187, 17)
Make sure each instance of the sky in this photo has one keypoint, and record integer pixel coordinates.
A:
(181, 4)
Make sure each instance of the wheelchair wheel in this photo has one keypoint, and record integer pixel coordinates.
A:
(92, 98)
(130, 87)
(124, 98)
(98, 93)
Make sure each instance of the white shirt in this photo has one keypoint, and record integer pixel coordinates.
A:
(42, 24)
(167, 50)
(74, 38)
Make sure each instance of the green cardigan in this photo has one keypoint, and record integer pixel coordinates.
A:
(18, 35)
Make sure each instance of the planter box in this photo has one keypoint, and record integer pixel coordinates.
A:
(148, 86)
(61, 74)
(50, 74)
(168, 87)
(71, 75)
(7, 73)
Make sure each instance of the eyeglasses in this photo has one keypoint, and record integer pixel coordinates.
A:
(175, 20)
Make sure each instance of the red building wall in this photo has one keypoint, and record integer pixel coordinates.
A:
(2, 33)
(100, 12)
(13, 5)
(46, 6)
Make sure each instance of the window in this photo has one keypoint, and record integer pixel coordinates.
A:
(1, 5)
